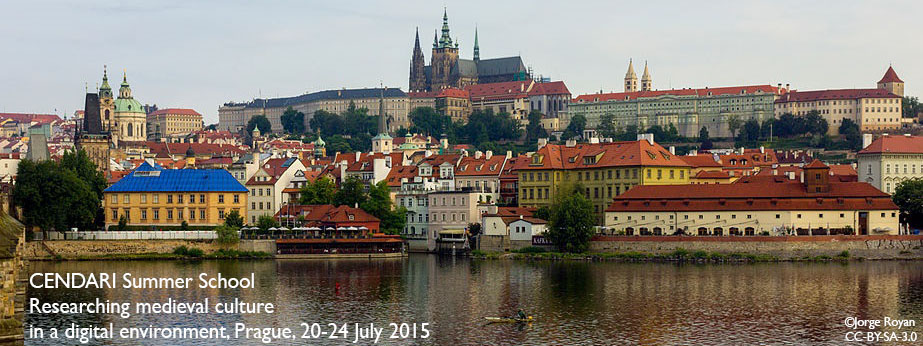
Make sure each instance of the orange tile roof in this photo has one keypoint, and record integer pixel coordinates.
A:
(834, 94)
(179, 111)
(890, 76)
(502, 90)
(895, 144)
(701, 160)
(712, 175)
(735, 90)
(469, 166)
(634, 153)
(399, 172)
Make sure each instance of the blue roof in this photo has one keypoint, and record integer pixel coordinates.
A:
(147, 178)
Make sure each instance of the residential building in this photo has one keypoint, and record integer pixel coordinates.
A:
(155, 197)
(266, 186)
(687, 109)
(447, 70)
(818, 204)
(481, 173)
(605, 170)
(170, 122)
(510, 228)
(518, 98)
(450, 213)
(890, 160)
(9, 164)
(872, 109)
(233, 116)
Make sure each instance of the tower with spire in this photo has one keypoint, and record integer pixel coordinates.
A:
(106, 102)
(129, 122)
(444, 59)
(646, 81)
(631, 79)
(891, 82)
(477, 49)
(417, 66)
(382, 142)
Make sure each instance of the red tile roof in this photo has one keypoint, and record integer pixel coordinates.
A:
(400, 172)
(469, 166)
(775, 193)
(701, 160)
(712, 175)
(178, 111)
(734, 90)
(326, 214)
(816, 164)
(452, 92)
(635, 153)
(502, 90)
(895, 144)
(162, 149)
(515, 211)
(30, 117)
(550, 88)
(836, 94)
(890, 76)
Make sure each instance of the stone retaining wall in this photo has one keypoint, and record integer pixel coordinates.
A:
(871, 247)
(74, 249)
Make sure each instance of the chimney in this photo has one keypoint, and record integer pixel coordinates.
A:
(520, 216)
(788, 87)
(672, 150)
(542, 142)
(866, 140)
(802, 176)
(488, 154)
(762, 149)
(570, 143)
(780, 88)
(477, 155)
(648, 136)
(594, 140)
(509, 154)
(358, 156)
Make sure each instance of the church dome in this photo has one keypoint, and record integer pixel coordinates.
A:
(126, 103)
(319, 142)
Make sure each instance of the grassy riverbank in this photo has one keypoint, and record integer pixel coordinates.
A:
(179, 253)
(678, 255)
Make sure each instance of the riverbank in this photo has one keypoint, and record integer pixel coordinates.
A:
(86, 250)
(679, 255)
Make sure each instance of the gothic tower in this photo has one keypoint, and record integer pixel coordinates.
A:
(417, 66)
(631, 79)
(444, 59)
(891, 82)
(646, 81)
(477, 50)
(106, 103)
(382, 142)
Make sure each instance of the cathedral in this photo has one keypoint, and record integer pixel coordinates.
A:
(631, 79)
(108, 120)
(446, 70)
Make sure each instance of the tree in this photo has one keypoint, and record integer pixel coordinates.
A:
(534, 130)
(227, 234)
(53, 198)
(911, 107)
(265, 222)
(606, 127)
(351, 192)
(630, 133)
(543, 212)
(427, 121)
(909, 198)
(261, 122)
(750, 133)
(234, 219)
(123, 224)
(338, 144)
(850, 130)
(734, 124)
(292, 121)
(321, 191)
(815, 123)
(572, 220)
(576, 126)
(327, 123)
(704, 139)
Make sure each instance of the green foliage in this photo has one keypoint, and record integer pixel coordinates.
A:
(234, 219)
(293, 121)
(484, 125)
(606, 127)
(734, 124)
(338, 144)
(850, 130)
(704, 139)
(427, 121)
(576, 127)
(227, 234)
(750, 133)
(321, 191)
(572, 220)
(184, 226)
(351, 192)
(543, 212)
(261, 122)
(909, 198)
(534, 130)
(265, 222)
(123, 222)
(327, 123)
(788, 125)
(378, 203)
(54, 197)
(184, 251)
(349, 131)
(911, 107)
(531, 249)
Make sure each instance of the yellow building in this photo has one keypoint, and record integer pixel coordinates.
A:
(605, 170)
(172, 121)
(756, 205)
(153, 196)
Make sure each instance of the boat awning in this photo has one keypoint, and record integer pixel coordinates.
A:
(452, 231)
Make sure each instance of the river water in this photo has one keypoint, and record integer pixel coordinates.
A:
(574, 303)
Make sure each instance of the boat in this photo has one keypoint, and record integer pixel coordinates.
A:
(508, 319)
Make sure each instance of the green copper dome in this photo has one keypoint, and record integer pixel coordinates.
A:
(126, 103)
(319, 142)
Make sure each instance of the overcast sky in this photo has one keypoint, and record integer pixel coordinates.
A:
(200, 54)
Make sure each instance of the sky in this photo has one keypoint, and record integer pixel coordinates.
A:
(201, 54)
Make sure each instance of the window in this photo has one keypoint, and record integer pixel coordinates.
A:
(821, 216)
(179, 199)
(143, 214)
(778, 216)
(169, 214)
(126, 199)
(143, 198)
(156, 214)
(220, 213)
(799, 216)
(169, 199)
(220, 198)
(202, 214)
(115, 199)
(115, 214)
(179, 214)
(202, 198)
(192, 199)
(236, 198)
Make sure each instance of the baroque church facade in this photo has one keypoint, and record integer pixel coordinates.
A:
(108, 121)
(446, 70)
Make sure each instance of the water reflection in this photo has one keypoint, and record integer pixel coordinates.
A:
(574, 303)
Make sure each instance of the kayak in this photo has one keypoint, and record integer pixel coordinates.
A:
(507, 319)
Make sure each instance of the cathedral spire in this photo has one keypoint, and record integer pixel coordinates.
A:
(477, 50)
(646, 81)
(631, 79)
(446, 40)
(435, 39)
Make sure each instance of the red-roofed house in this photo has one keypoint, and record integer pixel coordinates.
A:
(772, 206)
(872, 109)
(889, 160)
(267, 184)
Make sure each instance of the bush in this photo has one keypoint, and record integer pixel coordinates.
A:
(700, 254)
(184, 226)
(227, 235)
(180, 250)
(184, 251)
(531, 249)
(844, 254)
(679, 253)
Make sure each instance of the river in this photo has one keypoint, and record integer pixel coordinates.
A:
(574, 303)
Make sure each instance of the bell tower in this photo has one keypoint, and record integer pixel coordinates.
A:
(106, 103)
(444, 59)
(631, 79)
(417, 66)
(646, 81)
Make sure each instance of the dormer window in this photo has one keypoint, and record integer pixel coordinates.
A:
(589, 160)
